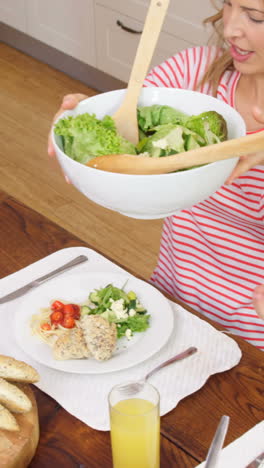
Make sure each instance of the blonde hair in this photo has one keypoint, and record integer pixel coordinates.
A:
(222, 63)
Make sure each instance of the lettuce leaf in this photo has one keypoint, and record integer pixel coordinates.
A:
(151, 116)
(137, 323)
(85, 137)
(170, 139)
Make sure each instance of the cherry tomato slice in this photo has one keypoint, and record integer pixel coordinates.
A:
(57, 305)
(56, 317)
(72, 310)
(69, 310)
(76, 308)
(46, 326)
(77, 311)
(68, 321)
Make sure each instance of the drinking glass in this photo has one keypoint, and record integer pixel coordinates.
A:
(135, 427)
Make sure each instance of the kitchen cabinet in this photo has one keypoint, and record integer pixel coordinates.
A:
(13, 13)
(104, 34)
(116, 47)
(184, 19)
(118, 26)
(67, 25)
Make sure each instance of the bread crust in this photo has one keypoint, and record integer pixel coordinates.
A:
(13, 398)
(7, 420)
(17, 371)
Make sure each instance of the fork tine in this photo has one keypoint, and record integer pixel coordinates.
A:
(129, 389)
(135, 387)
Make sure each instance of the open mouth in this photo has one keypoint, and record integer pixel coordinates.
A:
(239, 54)
(241, 51)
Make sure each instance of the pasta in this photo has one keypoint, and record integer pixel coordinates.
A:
(49, 336)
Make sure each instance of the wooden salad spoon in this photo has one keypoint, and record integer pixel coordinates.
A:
(126, 116)
(132, 164)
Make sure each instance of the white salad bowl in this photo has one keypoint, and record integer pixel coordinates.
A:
(151, 196)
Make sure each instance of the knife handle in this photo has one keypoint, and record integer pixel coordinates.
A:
(217, 443)
(258, 462)
(67, 266)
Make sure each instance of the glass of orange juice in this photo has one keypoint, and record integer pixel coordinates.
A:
(135, 427)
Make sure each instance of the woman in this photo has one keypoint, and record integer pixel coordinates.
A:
(222, 238)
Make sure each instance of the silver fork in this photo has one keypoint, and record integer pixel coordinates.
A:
(135, 387)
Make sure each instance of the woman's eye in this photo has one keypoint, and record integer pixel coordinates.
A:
(256, 17)
(256, 20)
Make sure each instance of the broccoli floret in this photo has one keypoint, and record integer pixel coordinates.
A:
(209, 125)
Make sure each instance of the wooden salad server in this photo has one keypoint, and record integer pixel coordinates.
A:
(132, 164)
(126, 116)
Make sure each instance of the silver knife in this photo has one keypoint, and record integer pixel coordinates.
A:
(258, 462)
(37, 282)
(217, 443)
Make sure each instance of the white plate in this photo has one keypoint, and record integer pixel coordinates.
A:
(75, 289)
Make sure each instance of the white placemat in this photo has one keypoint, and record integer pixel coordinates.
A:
(243, 450)
(217, 352)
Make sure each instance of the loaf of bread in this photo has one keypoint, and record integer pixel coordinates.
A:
(7, 420)
(17, 371)
(13, 398)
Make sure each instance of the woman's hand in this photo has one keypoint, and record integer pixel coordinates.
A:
(69, 101)
(258, 300)
(247, 162)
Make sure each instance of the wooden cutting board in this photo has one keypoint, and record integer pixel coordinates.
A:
(18, 448)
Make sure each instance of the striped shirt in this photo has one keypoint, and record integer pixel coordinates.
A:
(212, 255)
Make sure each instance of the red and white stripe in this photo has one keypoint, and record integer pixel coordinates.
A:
(212, 256)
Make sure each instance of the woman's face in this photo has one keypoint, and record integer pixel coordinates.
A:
(244, 31)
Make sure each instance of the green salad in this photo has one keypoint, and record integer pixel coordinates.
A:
(119, 307)
(163, 130)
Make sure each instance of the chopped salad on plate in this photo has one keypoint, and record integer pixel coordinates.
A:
(117, 306)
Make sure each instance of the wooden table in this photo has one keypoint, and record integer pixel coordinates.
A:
(186, 432)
